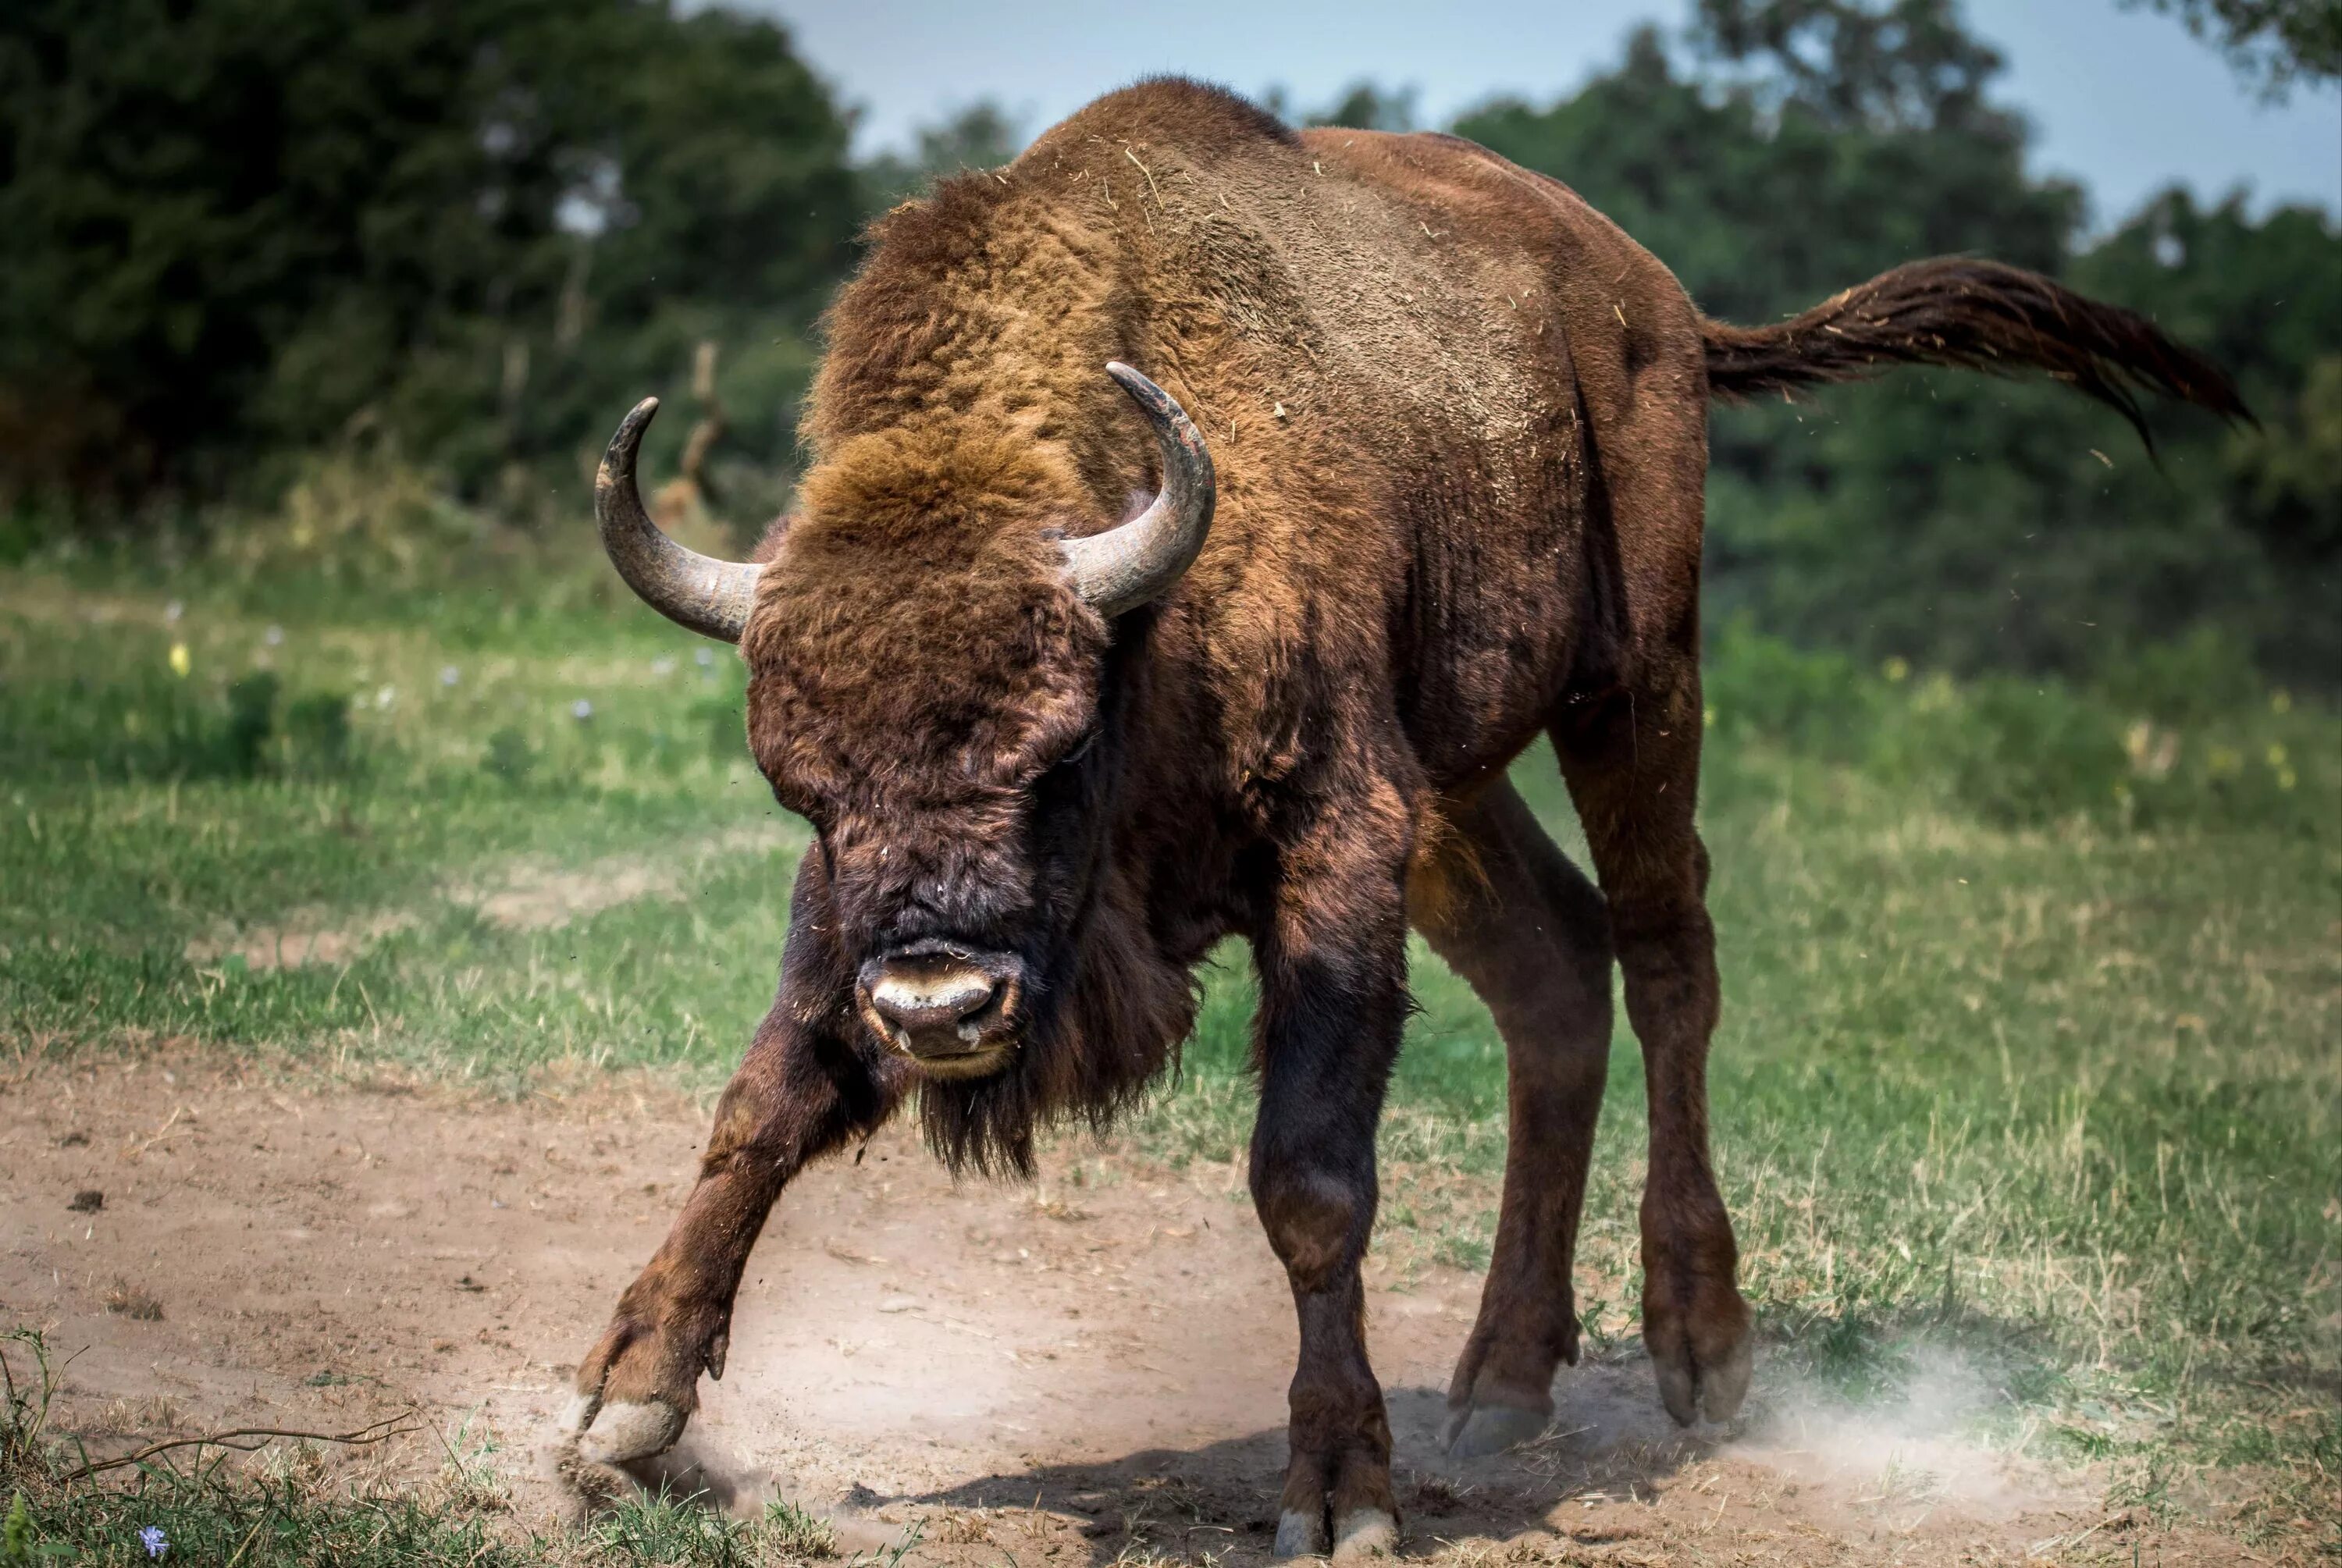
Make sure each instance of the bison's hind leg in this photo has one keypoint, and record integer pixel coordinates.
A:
(1633, 768)
(1508, 912)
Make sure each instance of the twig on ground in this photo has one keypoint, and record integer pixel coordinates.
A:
(380, 1430)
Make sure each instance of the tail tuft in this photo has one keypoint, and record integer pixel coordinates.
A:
(1974, 315)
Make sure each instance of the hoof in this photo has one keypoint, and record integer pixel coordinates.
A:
(1693, 1389)
(580, 1489)
(1364, 1533)
(1722, 1391)
(1476, 1430)
(626, 1430)
(1300, 1534)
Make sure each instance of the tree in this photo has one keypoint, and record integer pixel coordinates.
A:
(1363, 107)
(983, 135)
(1968, 522)
(2271, 43)
(249, 227)
(1774, 187)
(1908, 66)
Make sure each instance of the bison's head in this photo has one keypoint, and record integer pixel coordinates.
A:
(930, 665)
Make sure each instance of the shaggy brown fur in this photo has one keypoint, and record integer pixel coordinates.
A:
(1459, 424)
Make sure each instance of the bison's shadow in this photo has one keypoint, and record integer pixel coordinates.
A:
(1609, 1439)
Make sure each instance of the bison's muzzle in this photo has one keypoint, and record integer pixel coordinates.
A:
(952, 1011)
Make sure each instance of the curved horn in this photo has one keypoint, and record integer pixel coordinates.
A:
(1125, 567)
(710, 596)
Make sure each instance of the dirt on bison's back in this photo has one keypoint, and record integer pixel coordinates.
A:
(1065, 1369)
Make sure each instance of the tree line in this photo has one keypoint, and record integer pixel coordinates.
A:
(236, 233)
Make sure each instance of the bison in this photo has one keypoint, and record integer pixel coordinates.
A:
(1075, 671)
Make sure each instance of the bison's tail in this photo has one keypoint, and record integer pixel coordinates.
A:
(1978, 315)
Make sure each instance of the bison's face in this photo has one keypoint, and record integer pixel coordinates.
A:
(932, 650)
(936, 712)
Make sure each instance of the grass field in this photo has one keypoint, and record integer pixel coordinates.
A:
(2032, 1046)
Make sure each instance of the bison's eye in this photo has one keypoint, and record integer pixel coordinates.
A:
(1063, 773)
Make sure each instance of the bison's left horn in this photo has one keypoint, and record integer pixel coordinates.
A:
(710, 596)
(1125, 567)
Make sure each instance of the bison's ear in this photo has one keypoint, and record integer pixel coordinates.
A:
(710, 596)
(1128, 566)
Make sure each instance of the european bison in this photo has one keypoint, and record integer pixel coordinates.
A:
(1071, 687)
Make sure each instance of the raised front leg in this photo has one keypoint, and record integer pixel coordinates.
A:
(1510, 914)
(802, 1091)
(1332, 960)
(1634, 772)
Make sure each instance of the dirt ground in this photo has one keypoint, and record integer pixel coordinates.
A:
(1066, 1373)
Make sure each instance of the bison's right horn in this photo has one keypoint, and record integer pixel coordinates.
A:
(1125, 567)
(710, 596)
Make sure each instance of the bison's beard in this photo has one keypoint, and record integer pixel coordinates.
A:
(1096, 1040)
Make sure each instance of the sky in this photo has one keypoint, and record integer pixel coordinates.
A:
(2126, 100)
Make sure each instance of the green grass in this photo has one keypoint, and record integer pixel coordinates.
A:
(124, 854)
(2062, 1102)
(282, 1510)
(2032, 1041)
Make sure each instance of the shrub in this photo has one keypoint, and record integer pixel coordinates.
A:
(135, 719)
(2186, 741)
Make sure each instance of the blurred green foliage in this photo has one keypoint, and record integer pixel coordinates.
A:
(2189, 741)
(334, 249)
(245, 229)
(979, 136)
(1961, 522)
(143, 721)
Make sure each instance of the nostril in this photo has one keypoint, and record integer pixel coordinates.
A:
(913, 994)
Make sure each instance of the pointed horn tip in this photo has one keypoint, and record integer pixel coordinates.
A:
(708, 595)
(1151, 397)
(638, 418)
(620, 456)
(1125, 567)
(1136, 382)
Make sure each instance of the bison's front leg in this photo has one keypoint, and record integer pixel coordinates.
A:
(804, 1089)
(1333, 966)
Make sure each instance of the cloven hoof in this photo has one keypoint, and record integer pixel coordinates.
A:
(624, 1431)
(1364, 1533)
(1476, 1430)
(1301, 1533)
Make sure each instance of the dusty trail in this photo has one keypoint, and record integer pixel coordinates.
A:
(1070, 1373)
